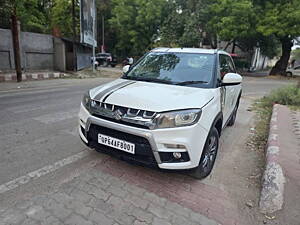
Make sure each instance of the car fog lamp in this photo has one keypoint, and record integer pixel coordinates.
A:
(177, 155)
(174, 146)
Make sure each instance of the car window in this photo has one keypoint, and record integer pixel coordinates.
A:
(225, 65)
(175, 67)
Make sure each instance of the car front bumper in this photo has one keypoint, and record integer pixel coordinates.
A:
(191, 139)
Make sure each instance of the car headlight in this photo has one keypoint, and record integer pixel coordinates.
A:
(177, 118)
(86, 101)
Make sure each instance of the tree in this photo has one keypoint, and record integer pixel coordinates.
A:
(28, 12)
(104, 9)
(186, 24)
(280, 18)
(233, 21)
(136, 23)
(61, 17)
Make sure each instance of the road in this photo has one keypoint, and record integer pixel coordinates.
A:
(42, 160)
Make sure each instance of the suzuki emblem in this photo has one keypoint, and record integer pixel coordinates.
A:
(118, 114)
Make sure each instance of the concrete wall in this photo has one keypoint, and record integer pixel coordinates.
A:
(42, 52)
(6, 50)
(59, 55)
(36, 51)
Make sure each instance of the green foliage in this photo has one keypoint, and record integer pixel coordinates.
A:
(136, 23)
(29, 12)
(241, 64)
(281, 18)
(289, 95)
(61, 16)
(32, 19)
(232, 19)
(186, 24)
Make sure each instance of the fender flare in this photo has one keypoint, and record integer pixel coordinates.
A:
(218, 117)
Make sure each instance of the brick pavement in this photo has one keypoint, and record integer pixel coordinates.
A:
(115, 192)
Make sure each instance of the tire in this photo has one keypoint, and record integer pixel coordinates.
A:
(289, 74)
(208, 156)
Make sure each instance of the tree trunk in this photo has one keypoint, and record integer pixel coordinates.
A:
(16, 44)
(233, 47)
(281, 65)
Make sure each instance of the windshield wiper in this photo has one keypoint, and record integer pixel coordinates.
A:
(147, 79)
(192, 82)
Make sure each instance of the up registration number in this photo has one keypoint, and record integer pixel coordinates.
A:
(116, 143)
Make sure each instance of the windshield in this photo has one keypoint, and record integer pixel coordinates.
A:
(174, 68)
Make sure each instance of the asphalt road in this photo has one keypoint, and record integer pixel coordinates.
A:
(38, 123)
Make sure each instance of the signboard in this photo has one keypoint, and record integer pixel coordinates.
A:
(87, 22)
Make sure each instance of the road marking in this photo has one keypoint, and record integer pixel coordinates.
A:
(56, 117)
(10, 185)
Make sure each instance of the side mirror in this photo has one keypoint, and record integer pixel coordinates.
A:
(126, 68)
(231, 79)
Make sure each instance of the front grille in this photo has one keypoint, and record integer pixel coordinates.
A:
(123, 115)
(121, 122)
(143, 151)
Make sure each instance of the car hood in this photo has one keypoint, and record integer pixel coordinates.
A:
(151, 96)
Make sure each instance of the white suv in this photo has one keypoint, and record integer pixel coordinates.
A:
(167, 110)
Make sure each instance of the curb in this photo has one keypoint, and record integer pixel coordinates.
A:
(32, 76)
(271, 198)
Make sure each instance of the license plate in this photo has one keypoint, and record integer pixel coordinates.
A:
(116, 143)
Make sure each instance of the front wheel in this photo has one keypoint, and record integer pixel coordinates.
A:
(289, 74)
(208, 156)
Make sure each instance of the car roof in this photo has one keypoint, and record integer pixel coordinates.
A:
(190, 50)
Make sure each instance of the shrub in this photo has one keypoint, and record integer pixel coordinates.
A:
(288, 95)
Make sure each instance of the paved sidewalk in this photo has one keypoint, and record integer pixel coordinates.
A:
(289, 140)
(289, 158)
(114, 192)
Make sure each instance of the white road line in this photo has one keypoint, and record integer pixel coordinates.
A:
(41, 172)
(56, 117)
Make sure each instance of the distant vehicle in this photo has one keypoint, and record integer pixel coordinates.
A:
(105, 59)
(293, 71)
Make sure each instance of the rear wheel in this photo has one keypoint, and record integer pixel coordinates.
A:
(289, 74)
(208, 156)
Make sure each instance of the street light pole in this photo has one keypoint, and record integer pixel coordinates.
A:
(94, 34)
(103, 41)
(74, 36)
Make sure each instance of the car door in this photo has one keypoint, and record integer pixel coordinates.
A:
(230, 93)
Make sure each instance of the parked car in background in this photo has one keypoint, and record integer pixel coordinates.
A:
(105, 59)
(168, 110)
(293, 71)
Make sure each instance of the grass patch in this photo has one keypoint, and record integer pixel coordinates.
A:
(288, 95)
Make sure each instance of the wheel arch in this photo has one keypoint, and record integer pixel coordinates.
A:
(218, 122)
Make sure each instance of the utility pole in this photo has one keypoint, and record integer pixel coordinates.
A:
(103, 37)
(74, 36)
(16, 43)
(94, 34)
